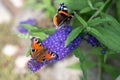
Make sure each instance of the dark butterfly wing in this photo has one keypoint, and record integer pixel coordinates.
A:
(62, 17)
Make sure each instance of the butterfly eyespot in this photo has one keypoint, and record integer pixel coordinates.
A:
(33, 50)
(36, 40)
(43, 59)
(40, 44)
(53, 55)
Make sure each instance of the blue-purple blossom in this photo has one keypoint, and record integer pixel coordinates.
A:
(56, 43)
(90, 39)
(23, 30)
(103, 51)
(93, 41)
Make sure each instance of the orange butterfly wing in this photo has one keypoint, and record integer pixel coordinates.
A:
(39, 53)
(46, 56)
(36, 47)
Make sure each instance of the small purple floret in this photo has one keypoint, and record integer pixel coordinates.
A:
(103, 51)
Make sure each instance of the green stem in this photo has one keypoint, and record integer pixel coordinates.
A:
(91, 5)
(84, 71)
(100, 68)
(82, 21)
(78, 53)
(99, 10)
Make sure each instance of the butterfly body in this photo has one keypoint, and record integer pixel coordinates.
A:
(39, 53)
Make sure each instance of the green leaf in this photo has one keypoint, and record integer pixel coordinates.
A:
(74, 66)
(99, 10)
(108, 38)
(75, 22)
(97, 21)
(115, 25)
(111, 31)
(88, 9)
(30, 27)
(73, 35)
(85, 10)
(118, 9)
(98, 4)
(90, 4)
(96, 33)
(45, 30)
(111, 70)
(111, 37)
(26, 36)
(41, 35)
(35, 29)
(78, 54)
(81, 20)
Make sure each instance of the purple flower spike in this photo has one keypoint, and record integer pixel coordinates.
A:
(56, 43)
(90, 39)
(33, 65)
(93, 41)
(23, 30)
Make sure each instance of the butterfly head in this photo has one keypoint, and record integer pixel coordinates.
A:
(35, 40)
(62, 7)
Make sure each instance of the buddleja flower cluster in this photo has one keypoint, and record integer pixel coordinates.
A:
(56, 43)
